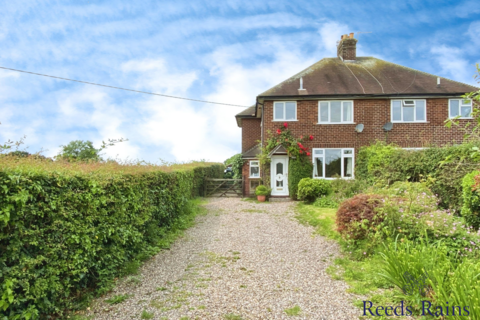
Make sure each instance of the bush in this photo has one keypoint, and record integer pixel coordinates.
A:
(343, 189)
(442, 168)
(262, 190)
(471, 198)
(309, 189)
(356, 217)
(298, 168)
(326, 202)
(68, 229)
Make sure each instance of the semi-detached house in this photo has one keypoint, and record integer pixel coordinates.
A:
(348, 102)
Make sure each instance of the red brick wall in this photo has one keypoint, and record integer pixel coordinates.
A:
(373, 114)
(246, 174)
(250, 133)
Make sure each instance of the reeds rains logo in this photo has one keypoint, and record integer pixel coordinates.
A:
(414, 285)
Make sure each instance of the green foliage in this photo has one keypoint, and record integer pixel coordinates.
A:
(294, 311)
(326, 202)
(442, 168)
(237, 163)
(262, 190)
(147, 315)
(84, 150)
(309, 189)
(449, 281)
(68, 229)
(343, 189)
(471, 199)
(298, 169)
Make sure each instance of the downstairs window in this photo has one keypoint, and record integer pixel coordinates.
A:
(333, 163)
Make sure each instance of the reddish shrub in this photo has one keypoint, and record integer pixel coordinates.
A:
(352, 211)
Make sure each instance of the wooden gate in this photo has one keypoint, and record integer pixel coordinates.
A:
(223, 188)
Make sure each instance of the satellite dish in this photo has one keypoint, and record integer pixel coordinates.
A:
(388, 126)
(359, 127)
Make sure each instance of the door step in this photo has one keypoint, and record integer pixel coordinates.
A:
(280, 199)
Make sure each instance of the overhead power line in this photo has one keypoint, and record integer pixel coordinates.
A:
(125, 89)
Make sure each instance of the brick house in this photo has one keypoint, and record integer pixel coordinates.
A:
(348, 102)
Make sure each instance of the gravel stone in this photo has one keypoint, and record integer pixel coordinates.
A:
(243, 260)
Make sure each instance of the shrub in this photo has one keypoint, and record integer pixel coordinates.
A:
(262, 190)
(343, 189)
(326, 202)
(298, 169)
(356, 217)
(309, 189)
(68, 229)
(471, 198)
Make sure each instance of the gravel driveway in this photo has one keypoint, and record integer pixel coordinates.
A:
(243, 260)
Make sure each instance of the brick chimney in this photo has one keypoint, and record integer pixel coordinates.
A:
(347, 48)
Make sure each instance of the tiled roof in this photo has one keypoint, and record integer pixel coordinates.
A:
(252, 152)
(365, 75)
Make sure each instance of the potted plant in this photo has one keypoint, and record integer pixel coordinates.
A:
(262, 192)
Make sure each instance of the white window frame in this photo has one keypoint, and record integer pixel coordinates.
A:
(284, 111)
(330, 112)
(352, 155)
(414, 112)
(255, 166)
(461, 103)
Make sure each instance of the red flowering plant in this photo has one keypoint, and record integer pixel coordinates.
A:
(283, 136)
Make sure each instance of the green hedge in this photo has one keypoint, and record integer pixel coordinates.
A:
(471, 199)
(298, 169)
(68, 231)
(385, 164)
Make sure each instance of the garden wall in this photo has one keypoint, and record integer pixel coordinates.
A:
(68, 229)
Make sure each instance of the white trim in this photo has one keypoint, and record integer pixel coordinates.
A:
(460, 105)
(330, 112)
(343, 156)
(414, 111)
(284, 110)
(250, 169)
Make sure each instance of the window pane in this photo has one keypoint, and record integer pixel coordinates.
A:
(279, 111)
(347, 151)
(323, 111)
(336, 110)
(318, 151)
(347, 112)
(420, 110)
(318, 170)
(254, 172)
(408, 114)
(290, 111)
(279, 168)
(466, 111)
(279, 185)
(454, 108)
(254, 163)
(347, 167)
(397, 111)
(333, 158)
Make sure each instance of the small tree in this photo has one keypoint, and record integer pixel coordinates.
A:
(80, 150)
(237, 163)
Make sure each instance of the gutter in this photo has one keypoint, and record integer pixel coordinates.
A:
(362, 96)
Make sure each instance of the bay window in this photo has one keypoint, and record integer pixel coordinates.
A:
(333, 163)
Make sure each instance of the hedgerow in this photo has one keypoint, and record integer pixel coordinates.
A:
(68, 229)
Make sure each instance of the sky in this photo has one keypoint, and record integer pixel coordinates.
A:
(224, 51)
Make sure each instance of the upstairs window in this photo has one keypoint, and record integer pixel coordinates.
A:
(285, 111)
(459, 107)
(335, 112)
(254, 169)
(332, 163)
(409, 111)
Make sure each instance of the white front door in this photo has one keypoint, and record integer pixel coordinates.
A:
(279, 175)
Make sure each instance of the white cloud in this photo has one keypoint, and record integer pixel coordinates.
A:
(452, 63)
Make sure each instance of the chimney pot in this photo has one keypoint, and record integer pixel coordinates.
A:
(347, 47)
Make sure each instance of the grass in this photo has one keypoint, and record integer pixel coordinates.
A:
(232, 316)
(323, 219)
(118, 298)
(294, 311)
(147, 315)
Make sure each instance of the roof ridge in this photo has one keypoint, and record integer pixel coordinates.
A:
(428, 74)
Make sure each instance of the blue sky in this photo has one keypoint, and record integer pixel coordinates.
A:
(227, 51)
